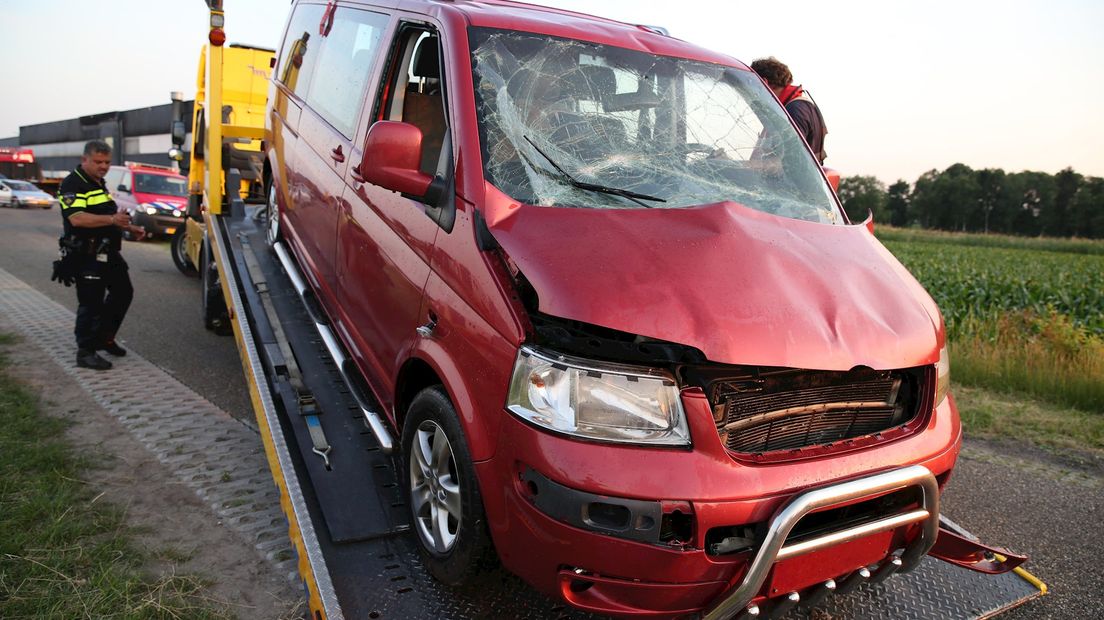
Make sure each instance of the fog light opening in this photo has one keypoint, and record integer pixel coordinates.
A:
(677, 527)
(607, 516)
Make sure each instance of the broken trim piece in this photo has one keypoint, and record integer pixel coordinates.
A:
(968, 552)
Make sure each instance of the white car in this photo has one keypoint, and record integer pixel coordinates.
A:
(5, 195)
(24, 194)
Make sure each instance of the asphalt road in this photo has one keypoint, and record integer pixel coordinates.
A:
(1048, 506)
(163, 324)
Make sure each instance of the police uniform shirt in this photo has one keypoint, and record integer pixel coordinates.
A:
(80, 192)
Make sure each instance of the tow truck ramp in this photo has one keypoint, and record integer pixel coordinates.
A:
(341, 490)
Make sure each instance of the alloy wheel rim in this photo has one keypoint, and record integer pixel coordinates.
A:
(273, 220)
(434, 488)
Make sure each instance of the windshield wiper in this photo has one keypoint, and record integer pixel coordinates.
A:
(594, 187)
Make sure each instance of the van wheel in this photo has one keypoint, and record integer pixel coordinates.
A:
(179, 251)
(272, 216)
(445, 503)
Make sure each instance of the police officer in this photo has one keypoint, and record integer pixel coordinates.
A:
(94, 230)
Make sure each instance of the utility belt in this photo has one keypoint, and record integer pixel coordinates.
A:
(75, 252)
(84, 246)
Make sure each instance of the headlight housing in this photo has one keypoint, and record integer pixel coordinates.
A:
(596, 400)
(942, 376)
(149, 209)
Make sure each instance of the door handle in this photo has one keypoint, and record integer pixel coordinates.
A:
(357, 176)
(337, 155)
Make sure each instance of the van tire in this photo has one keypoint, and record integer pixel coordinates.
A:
(272, 216)
(436, 479)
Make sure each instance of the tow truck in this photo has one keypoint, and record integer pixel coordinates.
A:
(333, 458)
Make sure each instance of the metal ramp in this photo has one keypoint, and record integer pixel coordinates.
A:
(349, 525)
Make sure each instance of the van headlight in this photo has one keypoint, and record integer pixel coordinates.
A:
(149, 209)
(597, 400)
(942, 376)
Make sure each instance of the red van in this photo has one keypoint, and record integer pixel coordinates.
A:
(156, 197)
(607, 297)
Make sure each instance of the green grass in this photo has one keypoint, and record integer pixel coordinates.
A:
(64, 552)
(1041, 355)
(986, 413)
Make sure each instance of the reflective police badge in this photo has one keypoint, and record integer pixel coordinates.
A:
(66, 199)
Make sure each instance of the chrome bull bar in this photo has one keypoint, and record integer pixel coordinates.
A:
(774, 547)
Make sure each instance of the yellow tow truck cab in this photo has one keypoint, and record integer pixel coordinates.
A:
(245, 72)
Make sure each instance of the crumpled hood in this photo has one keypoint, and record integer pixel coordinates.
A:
(744, 287)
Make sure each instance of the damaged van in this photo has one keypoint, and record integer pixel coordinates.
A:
(608, 299)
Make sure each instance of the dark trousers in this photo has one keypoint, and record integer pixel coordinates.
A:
(104, 293)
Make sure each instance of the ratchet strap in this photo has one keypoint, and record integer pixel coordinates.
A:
(308, 406)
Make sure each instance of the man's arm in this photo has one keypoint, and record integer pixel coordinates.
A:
(83, 219)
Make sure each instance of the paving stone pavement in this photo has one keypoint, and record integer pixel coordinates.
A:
(218, 457)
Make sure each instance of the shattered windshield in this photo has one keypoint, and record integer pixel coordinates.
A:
(578, 124)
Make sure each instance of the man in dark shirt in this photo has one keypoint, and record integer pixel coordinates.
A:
(93, 232)
(801, 108)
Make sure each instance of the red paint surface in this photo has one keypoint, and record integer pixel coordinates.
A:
(743, 286)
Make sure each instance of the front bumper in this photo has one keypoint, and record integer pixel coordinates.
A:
(584, 559)
(160, 224)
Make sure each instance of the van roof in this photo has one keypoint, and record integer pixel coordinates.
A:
(511, 15)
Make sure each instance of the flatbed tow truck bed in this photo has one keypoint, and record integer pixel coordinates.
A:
(350, 527)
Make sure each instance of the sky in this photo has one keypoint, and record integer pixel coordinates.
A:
(904, 86)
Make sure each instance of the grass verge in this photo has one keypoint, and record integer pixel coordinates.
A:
(1044, 355)
(990, 414)
(63, 554)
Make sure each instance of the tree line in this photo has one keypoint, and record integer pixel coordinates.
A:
(1066, 204)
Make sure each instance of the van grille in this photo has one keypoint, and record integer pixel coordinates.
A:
(772, 410)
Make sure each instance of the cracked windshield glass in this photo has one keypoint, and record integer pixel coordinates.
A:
(577, 124)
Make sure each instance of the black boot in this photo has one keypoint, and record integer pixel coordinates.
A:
(112, 348)
(89, 359)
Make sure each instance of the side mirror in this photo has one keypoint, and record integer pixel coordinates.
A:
(833, 178)
(123, 188)
(178, 133)
(392, 159)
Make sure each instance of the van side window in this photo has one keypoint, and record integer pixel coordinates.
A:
(417, 93)
(347, 59)
(299, 54)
